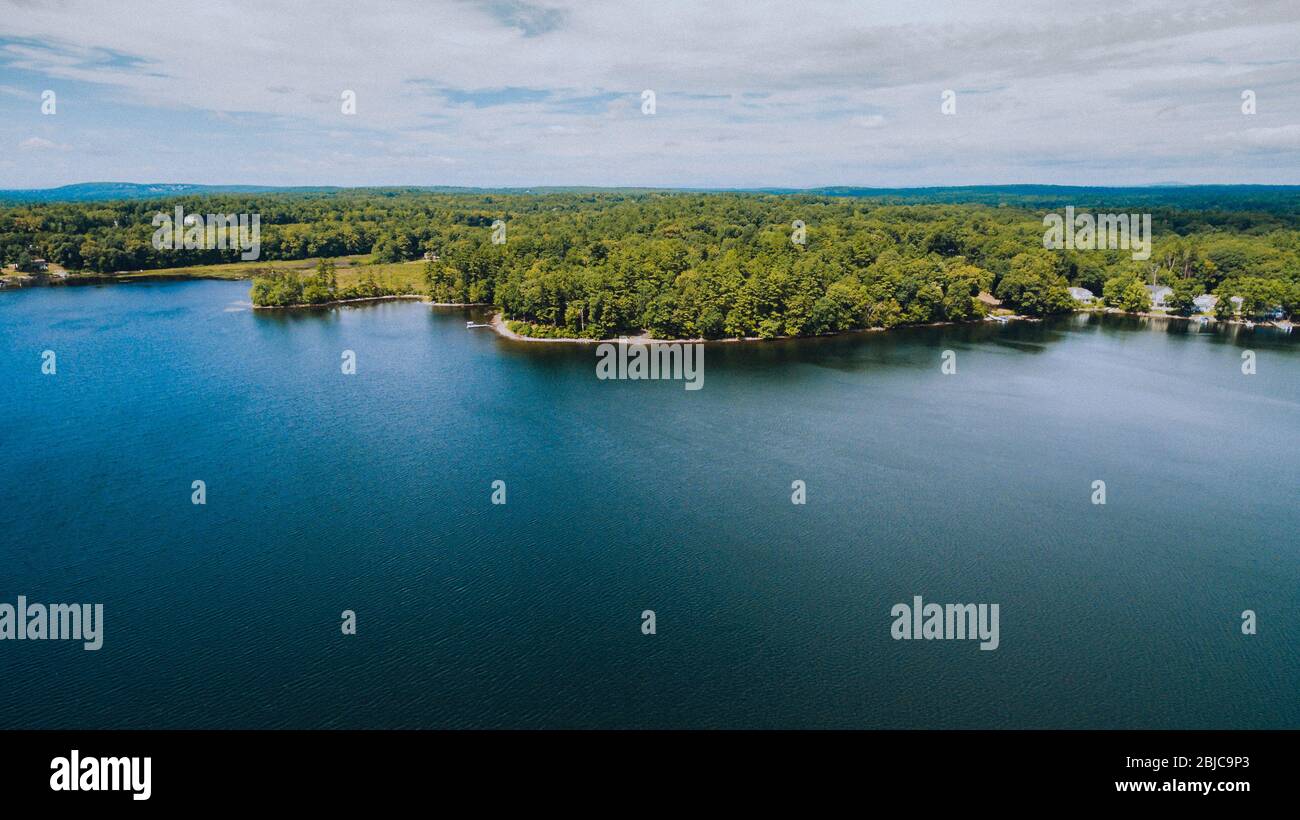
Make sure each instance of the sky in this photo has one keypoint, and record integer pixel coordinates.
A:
(746, 94)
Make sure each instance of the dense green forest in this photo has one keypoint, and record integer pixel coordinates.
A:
(683, 264)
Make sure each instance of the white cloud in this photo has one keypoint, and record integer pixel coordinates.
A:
(1281, 137)
(870, 121)
(752, 92)
(40, 144)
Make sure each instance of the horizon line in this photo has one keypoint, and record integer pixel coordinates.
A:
(616, 187)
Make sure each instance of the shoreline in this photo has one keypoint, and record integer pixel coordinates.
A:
(419, 297)
(498, 322)
(338, 302)
(499, 326)
(81, 279)
(1142, 314)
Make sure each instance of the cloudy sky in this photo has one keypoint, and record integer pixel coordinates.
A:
(753, 93)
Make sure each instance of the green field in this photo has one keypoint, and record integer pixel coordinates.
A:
(405, 276)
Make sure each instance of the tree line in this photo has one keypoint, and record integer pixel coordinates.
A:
(711, 265)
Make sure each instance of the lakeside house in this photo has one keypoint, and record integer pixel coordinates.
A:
(1205, 302)
(989, 299)
(1159, 293)
(1082, 295)
(1275, 313)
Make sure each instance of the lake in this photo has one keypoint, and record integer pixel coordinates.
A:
(372, 492)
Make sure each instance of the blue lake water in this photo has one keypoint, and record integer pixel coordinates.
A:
(372, 492)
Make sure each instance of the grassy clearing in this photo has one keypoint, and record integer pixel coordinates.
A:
(405, 276)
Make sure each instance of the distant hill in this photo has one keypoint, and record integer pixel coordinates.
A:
(1276, 199)
(92, 191)
(109, 191)
(1268, 198)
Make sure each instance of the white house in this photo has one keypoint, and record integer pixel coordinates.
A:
(1205, 302)
(1081, 295)
(1158, 294)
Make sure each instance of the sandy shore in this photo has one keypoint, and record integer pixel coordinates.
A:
(499, 325)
